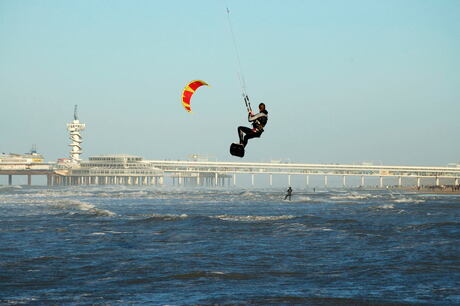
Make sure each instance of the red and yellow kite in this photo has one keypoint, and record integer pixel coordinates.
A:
(189, 90)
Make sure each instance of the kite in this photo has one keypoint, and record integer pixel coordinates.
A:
(189, 90)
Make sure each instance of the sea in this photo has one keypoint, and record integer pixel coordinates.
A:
(126, 245)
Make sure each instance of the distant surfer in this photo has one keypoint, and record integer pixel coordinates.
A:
(258, 121)
(288, 193)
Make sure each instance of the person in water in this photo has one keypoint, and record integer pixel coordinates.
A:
(258, 123)
(288, 193)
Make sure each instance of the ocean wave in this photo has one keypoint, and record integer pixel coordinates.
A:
(9, 187)
(247, 194)
(408, 200)
(253, 218)
(82, 206)
(164, 217)
(352, 197)
(300, 199)
(386, 206)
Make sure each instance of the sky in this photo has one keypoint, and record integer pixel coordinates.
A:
(343, 81)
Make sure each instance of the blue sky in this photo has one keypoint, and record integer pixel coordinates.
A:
(343, 81)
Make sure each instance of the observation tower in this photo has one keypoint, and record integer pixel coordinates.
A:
(75, 128)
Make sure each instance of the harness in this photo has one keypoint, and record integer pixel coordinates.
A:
(259, 124)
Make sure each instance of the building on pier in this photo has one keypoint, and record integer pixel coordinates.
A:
(110, 170)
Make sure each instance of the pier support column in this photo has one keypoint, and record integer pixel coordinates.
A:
(437, 181)
(456, 181)
(344, 181)
(234, 179)
(418, 182)
(252, 179)
(381, 182)
(29, 180)
(10, 179)
(399, 181)
(325, 180)
(216, 179)
(307, 180)
(271, 179)
(362, 181)
(289, 180)
(48, 180)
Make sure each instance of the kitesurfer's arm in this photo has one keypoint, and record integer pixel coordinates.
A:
(252, 117)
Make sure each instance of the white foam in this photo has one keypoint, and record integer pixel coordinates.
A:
(253, 218)
(82, 206)
(352, 197)
(247, 194)
(408, 200)
(167, 216)
(300, 199)
(10, 187)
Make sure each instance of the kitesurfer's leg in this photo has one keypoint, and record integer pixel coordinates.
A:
(243, 133)
(250, 134)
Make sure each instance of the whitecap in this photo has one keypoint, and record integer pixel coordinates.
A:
(352, 197)
(82, 206)
(253, 218)
(166, 216)
(300, 199)
(408, 200)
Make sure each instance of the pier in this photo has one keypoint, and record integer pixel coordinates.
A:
(134, 170)
(193, 170)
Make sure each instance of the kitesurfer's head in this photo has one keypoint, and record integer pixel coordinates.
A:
(261, 106)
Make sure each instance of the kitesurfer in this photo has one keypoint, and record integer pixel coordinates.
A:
(258, 123)
(288, 193)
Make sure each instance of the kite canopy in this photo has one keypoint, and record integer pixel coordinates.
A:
(189, 90)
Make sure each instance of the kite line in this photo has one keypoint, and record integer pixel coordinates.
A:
(240, 69)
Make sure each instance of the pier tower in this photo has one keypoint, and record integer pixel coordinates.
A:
(75, 127)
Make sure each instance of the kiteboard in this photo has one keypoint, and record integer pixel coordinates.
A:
(237, 149)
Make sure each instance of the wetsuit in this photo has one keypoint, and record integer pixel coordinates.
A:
(288, 194)
(258, 123)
